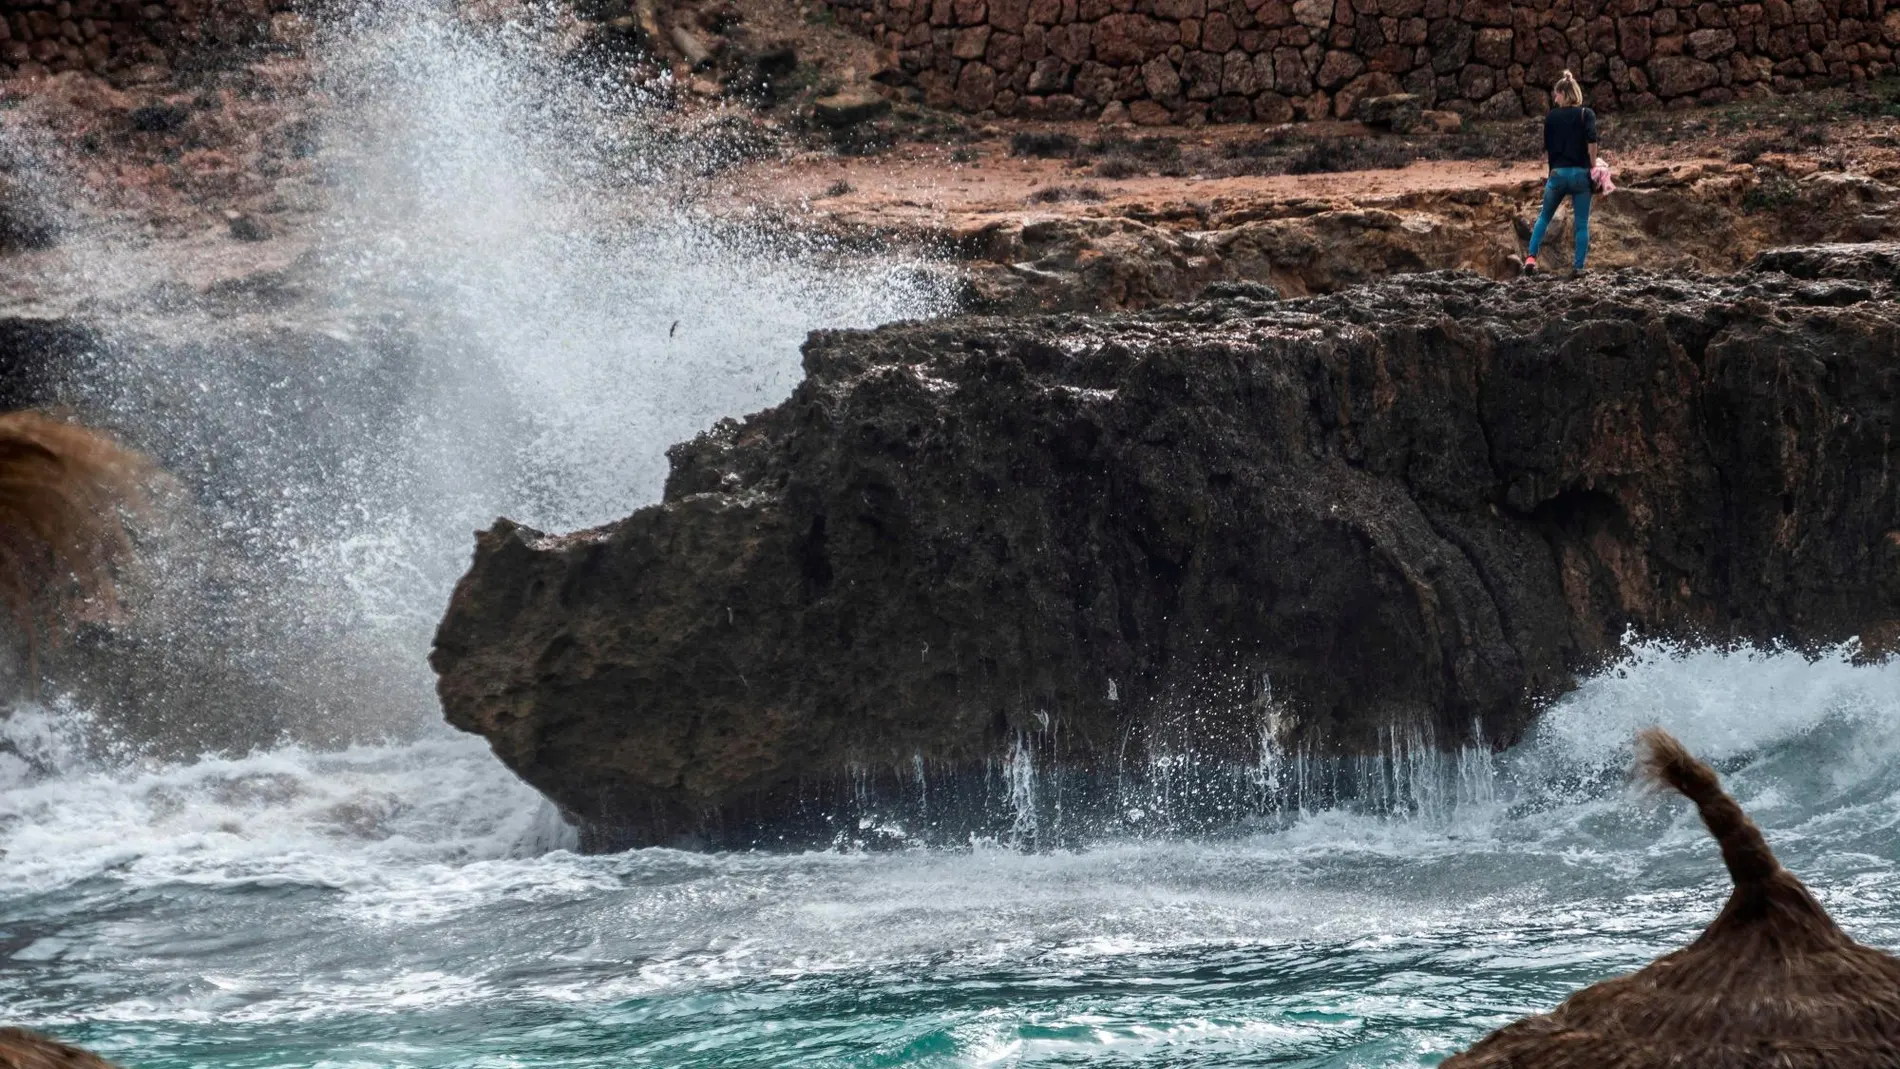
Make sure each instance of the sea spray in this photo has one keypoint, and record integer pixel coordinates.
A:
(512, 305)
(330, 818)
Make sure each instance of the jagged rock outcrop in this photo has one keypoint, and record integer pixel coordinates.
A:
(1120, 256)
(1425, 502)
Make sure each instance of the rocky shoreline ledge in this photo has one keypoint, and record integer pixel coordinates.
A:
(1418, 505)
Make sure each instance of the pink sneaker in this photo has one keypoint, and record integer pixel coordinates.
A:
(1530, 265)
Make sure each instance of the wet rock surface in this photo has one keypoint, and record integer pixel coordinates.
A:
(1421, 504)
(1878, 262)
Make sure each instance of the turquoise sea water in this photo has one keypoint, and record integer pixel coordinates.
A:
(414, 906)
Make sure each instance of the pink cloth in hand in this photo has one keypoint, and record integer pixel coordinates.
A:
(1601, 179)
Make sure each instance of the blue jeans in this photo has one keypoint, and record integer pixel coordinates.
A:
(1572, 182)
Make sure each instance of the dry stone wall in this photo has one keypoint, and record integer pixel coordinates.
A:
(118, 37)
(1277, 60)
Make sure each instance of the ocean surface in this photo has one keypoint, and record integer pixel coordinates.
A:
(413, 905)
(405, 902)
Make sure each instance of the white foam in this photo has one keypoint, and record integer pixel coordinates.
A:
(1722, 704)
(411, 881)
(381, 819)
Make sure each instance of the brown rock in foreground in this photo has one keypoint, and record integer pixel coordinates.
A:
(21, 1049)
(1414, 506)
(68, 494)
(1773, 982)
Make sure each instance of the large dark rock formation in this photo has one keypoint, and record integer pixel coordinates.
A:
(1425, 503)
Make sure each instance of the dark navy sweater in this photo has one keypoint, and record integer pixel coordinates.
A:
(1568, 135)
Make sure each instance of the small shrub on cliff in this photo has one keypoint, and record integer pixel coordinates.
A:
(1494, 141)
(1794, 140)
(1334, 154)
(1874, 105)
(1775, 192)
(1150, 149)
(726, 141)
(1119, 167)
(866, 139)
(1257, 156)
(1284, 153)
(26, 217)
(1254, 148)
(1045, 145)
(1057, 194)
(160, 118)
(1754, 148)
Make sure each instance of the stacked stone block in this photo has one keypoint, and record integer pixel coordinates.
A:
(109, 37)
(1277, 60)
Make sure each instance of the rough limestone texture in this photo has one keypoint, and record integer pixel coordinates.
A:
(1186, 61)
(1679, 217)
(1421, 504)
(130, 39)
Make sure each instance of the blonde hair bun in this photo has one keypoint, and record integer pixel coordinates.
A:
(1567, 93)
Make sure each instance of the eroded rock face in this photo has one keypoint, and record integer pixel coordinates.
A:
(1686, 217)
(1422, 503)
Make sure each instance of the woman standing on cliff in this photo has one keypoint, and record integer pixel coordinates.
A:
(1570, 140)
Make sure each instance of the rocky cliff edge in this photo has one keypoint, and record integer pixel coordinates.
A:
(1421, 505)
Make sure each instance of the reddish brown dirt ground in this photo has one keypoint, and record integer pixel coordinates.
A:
(221, 171)
(926, 184)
